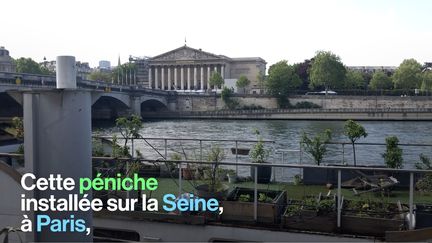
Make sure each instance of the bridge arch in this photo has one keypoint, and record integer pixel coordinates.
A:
(153, 105)
(109, 107)
(9, 107)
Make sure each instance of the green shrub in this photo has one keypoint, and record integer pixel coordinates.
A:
(393, 155)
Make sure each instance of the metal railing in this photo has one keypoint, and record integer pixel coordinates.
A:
(302, 166)
(339, 169)
(200, 140)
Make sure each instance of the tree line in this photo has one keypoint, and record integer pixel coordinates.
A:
(325, 71)
(120, 74)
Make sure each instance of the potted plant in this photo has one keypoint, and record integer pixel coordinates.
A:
(298, 179)
(239, 205)
(393, 155)
(213, 186)
(188, 173)
(424, 185)
(311, 214)
(232, 176)
(354, 131)
(259, 155)
(316, 147)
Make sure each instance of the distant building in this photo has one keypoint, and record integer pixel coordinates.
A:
(104, 65)
(187, 69)
(83, 68)
(372, 69)
(50, 65)
(6, 62)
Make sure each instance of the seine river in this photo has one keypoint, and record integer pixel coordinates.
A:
(285, 134)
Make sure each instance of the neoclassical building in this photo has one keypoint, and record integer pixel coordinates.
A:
(6, 61)
(189, 69)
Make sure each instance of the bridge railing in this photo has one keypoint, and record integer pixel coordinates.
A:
(43, 81)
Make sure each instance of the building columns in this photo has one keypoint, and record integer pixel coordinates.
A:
(222, 71)
(208, 77)
(150, 77)
(175, 78)
(195, 78)
(169, 78)
(188, 78)
(163, 78)
(156, 78)
(182, 78)
(202, 78)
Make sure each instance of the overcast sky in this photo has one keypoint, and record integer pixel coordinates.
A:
(375, 32)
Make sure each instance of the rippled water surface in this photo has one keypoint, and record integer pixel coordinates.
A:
(286, 135)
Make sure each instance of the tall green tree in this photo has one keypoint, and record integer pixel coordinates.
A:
(408, 75)
(281, 79)
(28, 65)
(380, 80)
(260, 79)
(326, 71)
(242, 83)
(426, 81)
(302, 70)
(316, 146)
(354, 131)
(124, 72)
(393, 154)
(216, 80)
(354, 80)
(100, 76)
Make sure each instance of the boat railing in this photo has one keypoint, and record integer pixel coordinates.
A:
(339, 169)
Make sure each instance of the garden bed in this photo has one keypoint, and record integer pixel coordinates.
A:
(239, 205)
(311, 214)
(372, 218)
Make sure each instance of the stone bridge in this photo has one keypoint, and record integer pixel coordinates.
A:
(108, 100)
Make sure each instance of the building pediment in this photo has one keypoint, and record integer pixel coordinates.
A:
(186, 53)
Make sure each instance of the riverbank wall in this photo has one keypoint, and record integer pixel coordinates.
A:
(301, 114)
(188, 102)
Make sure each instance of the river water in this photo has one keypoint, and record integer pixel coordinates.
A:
(286, 135)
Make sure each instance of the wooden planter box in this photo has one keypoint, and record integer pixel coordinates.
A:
(370, 226)
(370, 223)
(309, 219)
(267, 212)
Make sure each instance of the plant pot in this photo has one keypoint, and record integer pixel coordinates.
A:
(264, 173)
(232, 179)
(202, 191)
(240, 151)
(423, 216)
(187, 174)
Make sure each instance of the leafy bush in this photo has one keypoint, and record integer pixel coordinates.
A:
(316, 146)
(354, 131)
(226, 97)
(393, 155)
(425, 183)
(259, 154)
(305, 105)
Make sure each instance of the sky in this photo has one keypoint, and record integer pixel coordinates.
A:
(363, 32)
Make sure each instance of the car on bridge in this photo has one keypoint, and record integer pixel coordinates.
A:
(324, 92)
